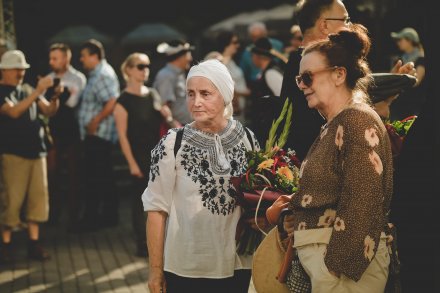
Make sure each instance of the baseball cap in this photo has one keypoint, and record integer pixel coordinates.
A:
(406, 33)
(13, 59)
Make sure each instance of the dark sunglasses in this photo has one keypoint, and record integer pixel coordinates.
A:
(142, 66)
(307, 76)
(345, 19)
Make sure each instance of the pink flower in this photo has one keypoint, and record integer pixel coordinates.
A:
(339, 135)
(369, 245)
(327, 219)
(376, 161)
(306, 200)
(339, 224)
(371, 137)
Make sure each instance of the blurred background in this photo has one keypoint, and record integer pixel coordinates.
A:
(134, 25)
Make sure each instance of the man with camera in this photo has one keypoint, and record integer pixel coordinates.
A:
(23, 153)
(64, 129)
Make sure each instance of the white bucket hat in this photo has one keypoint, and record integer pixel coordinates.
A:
(13, 59)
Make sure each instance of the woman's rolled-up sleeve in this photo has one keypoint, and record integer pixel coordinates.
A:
(159, 193)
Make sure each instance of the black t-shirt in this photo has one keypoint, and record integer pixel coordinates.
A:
(23, 136)
(64, 125)
(143, 124)
(306, 122)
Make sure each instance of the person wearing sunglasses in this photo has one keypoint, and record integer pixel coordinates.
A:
(138, 114)
(317, 19)
(340, 210)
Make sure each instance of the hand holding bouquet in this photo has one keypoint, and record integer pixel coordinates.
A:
(271, 172)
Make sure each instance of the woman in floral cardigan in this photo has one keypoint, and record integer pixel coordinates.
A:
(340, 210)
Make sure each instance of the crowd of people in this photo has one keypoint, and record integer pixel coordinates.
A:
(184, 137)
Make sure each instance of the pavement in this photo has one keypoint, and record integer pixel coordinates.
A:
(102, 261)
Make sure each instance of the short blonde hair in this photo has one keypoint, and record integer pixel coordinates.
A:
(130, 62)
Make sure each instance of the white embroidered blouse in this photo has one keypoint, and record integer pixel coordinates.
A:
(194, 188)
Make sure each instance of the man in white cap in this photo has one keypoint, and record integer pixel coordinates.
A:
(170, 80)
(23, 152)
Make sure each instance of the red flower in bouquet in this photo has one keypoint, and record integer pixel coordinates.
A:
(271, 173)
(397, 131)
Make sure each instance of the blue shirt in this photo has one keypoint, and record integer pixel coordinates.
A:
(249, 69)
(102, 85)
(170, 82)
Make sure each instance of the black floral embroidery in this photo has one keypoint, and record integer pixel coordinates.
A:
(157, 154)
(218, 194)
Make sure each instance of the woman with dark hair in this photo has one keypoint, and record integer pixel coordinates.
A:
(340, 210)
(228, 45)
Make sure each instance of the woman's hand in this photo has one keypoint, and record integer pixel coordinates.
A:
(289, 225)
(136, 171)
(156, 280)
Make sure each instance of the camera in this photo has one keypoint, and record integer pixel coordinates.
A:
(56, 81)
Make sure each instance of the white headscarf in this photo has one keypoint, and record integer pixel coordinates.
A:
(219, 75)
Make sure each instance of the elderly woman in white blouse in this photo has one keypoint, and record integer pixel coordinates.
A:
(192, 211)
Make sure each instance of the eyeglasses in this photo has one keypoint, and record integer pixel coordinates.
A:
(307, 76)
(345, 19)
(142, 66)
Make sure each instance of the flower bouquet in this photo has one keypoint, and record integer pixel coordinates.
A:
(271, 173)
(397, 131)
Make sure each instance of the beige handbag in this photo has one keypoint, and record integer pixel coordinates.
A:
(266, 264)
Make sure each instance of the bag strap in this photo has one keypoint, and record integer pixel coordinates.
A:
(178, 142)
(249, 137)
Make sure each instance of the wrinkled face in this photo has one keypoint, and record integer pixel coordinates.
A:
(140, 70)
(88, 60)
(320, 90)
(13, 76)
(204, 101)
(58, 60)
(336, 17)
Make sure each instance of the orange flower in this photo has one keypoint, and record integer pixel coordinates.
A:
(285, 172)
(265, 164)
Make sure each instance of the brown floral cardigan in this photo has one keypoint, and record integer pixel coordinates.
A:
(346, 183)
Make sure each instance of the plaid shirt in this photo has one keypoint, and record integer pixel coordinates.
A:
(102, 85)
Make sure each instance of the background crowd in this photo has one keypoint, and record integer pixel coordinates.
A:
(76, 118)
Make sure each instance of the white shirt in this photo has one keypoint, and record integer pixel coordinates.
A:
(196, 193)
(75, 81)
(274, 80)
